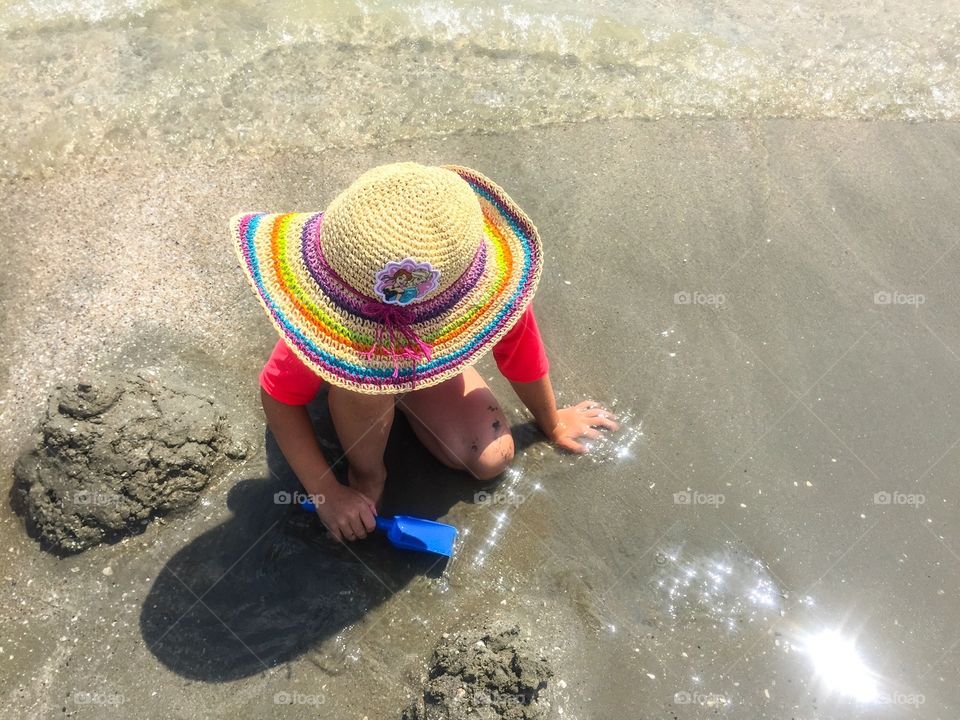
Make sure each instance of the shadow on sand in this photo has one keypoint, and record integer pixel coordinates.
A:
(267, 585)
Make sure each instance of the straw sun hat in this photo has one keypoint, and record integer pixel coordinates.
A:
(411, 274)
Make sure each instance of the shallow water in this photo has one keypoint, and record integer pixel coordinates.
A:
(156, 76)
(834, 606)
(796, 596)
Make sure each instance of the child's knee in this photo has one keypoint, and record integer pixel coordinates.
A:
(493, 460)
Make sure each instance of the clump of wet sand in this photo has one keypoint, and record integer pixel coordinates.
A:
(484, 674)
(112, 454)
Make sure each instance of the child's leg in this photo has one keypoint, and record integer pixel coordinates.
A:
(461, 423)
(363, 423)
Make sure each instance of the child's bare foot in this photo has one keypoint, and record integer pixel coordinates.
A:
(370, 483)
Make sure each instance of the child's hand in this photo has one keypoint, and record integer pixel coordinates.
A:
(581, 421)
(347, 513)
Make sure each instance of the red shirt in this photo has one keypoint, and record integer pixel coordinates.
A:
(520, 357)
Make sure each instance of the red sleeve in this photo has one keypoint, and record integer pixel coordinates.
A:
(520, 354)
(286, 379)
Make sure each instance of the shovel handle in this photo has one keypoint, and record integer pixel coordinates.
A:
(383, 523)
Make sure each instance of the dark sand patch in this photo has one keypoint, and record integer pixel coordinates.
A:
(112, 454)
(484, 674)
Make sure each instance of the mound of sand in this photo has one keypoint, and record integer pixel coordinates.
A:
(114, 453)
(484, 674)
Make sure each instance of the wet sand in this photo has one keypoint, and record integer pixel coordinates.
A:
(717, 281)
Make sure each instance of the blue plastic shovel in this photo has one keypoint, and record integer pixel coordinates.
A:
(410, 533)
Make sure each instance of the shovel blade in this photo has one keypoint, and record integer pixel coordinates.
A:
(410, 533)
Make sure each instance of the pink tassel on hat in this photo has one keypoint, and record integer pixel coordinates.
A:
(395, 323)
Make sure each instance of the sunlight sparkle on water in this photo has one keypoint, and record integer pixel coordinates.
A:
(611, 446)
(728, 586)
(839, 666)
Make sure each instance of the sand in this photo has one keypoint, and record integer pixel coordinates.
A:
(484, 673)
(747, 293)
(114, 452)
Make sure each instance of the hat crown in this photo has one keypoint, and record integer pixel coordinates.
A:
(402, 211)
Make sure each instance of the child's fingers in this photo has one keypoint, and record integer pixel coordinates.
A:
(601, 411)
(370, 504)
(594, 409)
(604, 421)
(357, 530)
(366, 517)
(342, 530)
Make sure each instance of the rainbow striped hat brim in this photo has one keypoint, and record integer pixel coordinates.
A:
(323, 320)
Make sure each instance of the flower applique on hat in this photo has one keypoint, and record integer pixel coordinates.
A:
(403, 282)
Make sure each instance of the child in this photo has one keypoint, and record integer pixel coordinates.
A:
(391, 295)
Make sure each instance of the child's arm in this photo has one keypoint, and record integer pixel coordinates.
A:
(347, 513)
(564, 426)
(522, 358)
